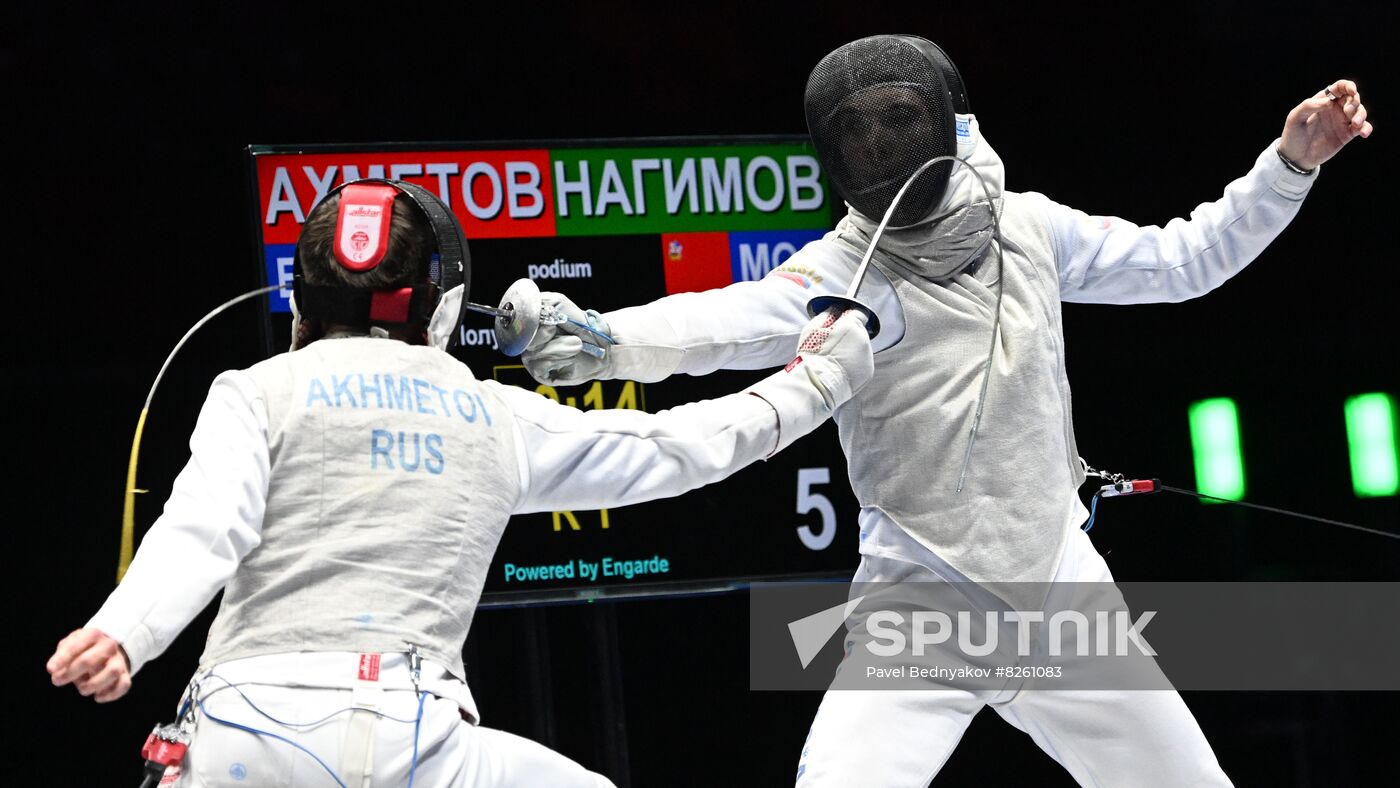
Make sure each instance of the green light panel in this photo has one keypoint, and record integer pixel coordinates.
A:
(1215, 444)
(1371, 437)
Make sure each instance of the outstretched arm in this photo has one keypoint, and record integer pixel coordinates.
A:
(746, 325)
(592, 459)
(1105, 259)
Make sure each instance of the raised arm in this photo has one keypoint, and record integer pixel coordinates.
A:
(1110, 260)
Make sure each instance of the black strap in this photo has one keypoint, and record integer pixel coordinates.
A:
(451, 246)
(352, 307)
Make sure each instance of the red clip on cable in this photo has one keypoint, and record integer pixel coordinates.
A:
(1131, 487)
(165, 747)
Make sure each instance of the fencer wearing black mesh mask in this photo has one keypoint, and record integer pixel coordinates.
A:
(878, 109)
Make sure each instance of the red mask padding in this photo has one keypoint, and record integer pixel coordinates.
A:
(390, 306)
(362, 226)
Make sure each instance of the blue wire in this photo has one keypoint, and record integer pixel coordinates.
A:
(422, 696)
(417, 723)
(232, 724)
(249, 701)
(1093, 509)
(593, 330)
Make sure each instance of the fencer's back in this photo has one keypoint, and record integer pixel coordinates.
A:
(393, 473)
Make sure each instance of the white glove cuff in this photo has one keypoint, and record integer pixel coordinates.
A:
(647, 348)
(643, 363)
(799, 404)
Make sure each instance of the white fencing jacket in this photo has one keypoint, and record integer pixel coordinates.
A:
(348, 498)
(1096, 259)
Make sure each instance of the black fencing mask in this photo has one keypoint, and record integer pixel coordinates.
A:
(877, 109)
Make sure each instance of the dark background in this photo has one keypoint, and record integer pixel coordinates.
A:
(128, 220)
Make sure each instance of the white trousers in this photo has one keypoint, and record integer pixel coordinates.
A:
(360, 748)
(901, 738)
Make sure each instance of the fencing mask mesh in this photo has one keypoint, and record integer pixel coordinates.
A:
(879, 107)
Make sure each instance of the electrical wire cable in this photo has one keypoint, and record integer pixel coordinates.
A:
(228, 685)
(128, 538)
(249, 729)
(1290, 513)
(417, 724)
(1093, 511)
(995, 240)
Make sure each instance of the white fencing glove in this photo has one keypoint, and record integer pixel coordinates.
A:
(584, 347)
(571, 352)
(834, 350)
(834, 361)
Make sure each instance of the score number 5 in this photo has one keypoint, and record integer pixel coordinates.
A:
(807, 501)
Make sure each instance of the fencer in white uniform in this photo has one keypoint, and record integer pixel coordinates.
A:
(348, 497)
(990, 502)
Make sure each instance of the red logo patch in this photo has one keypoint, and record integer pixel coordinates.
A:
(369, 667)
(792, 364)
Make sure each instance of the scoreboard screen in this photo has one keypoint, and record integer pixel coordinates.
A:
(611, 224)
